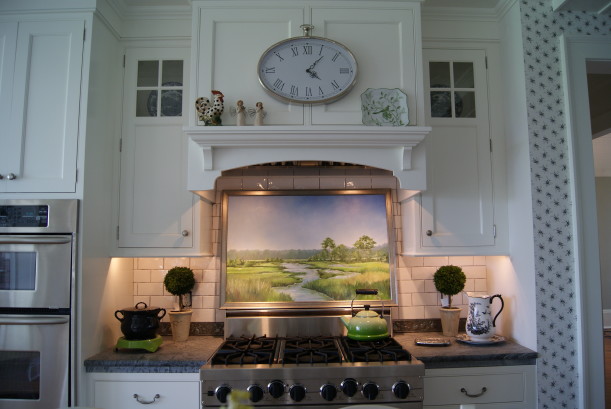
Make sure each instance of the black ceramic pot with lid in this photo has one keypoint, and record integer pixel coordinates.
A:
(140, 322)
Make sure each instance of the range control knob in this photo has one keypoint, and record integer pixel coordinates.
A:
(256, 393)
(328, 392)
(349, 386)
(221, 393)
(401, 389)
(297, 392)
(276, 388)
(370, 390)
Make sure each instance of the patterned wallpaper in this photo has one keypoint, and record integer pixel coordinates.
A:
(556, 301)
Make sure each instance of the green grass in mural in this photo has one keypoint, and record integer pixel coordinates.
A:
(255, 282)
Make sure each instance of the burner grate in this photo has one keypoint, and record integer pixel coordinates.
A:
(311, 350)
(243, 350)
(383, 350)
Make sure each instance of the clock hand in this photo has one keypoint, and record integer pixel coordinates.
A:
(315, 62)
(312, 73)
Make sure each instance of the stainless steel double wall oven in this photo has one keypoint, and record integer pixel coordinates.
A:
(37, 259)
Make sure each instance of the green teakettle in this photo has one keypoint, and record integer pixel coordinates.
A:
(367, 325)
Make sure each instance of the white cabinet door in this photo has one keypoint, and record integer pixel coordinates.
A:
(230, 41)
(156, 209)
(8, 42)
(457, 207)
(395, 63)
(39, 141)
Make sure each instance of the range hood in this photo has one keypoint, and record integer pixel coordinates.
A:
(224, 57)
(214, 149)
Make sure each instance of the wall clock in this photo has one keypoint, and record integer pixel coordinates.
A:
(307, 69)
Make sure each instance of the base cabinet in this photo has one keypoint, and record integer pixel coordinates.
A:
(507, 387)
(131, 391)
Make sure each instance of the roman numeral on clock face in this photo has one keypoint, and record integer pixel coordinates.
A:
(307, 49)
(270, 70)
(295, 51)
(335, 57)
(334, 84)
(344, 70)
(279, 84)
(308, 92)
(294, 91)
(278, 55)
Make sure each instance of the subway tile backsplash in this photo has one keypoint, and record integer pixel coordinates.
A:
(416, 294)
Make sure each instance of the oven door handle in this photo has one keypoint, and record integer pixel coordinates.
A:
(34, 319)
(32, 239)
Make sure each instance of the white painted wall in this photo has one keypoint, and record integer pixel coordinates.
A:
(103, 286)
(517, 278)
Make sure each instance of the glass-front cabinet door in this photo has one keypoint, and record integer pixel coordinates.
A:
(155, 209)
(457, 207)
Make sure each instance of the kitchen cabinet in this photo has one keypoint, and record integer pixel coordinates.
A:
(157, 214)
(223, 34)
(456, 214)
(509, 387)
(40, 91)
(132, 390)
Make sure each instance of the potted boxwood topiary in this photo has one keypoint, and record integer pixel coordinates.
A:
(180, 281)
(449, 280)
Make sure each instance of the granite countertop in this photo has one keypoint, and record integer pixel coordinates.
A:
(459, 355)
(189, 356)
(171, 357)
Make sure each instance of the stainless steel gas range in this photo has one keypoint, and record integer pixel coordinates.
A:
(297, 369)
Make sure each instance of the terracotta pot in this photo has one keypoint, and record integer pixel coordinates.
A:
(449, 321)
(181, 324)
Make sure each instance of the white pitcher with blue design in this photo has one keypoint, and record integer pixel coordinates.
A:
(480, 324)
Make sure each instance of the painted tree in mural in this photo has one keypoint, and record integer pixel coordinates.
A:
(328, 245)
(363, 246)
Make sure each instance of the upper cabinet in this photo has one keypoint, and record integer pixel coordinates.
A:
(157, 214)
(40, 90)
(457, 214)
(229, 38)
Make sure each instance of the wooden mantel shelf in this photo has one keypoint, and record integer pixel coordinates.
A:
(215, 149)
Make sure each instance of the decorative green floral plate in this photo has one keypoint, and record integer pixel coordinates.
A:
(384, 107)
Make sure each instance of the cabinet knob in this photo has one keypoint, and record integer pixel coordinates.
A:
(185, 233)
(429, 233)
(11, 176)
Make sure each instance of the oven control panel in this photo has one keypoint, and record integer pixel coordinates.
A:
(24, 216)
(328, 386)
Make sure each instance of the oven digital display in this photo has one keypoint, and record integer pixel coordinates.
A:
(24, 216)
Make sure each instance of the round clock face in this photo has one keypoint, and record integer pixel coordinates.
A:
(307, 70)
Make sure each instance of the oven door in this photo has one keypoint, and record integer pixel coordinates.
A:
(35, 271)
(34, 356)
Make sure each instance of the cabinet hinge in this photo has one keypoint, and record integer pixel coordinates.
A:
(117, 232)
(494, 231)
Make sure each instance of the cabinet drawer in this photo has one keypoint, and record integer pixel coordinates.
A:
(499, 388)
(172, 395)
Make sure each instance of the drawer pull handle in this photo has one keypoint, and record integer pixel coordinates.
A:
(477, 395)
(146, 402)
